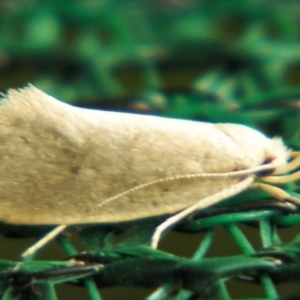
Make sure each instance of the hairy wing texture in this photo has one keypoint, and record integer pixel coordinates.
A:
(59, 162)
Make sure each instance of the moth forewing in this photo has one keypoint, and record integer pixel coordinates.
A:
(61, 162)
(63, 165)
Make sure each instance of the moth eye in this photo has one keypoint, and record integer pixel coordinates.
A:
(266, 172)
(268, 160)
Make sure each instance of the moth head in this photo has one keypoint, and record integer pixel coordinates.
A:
(276, 154)
(285, 163)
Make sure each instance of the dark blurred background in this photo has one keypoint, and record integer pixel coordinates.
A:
(219, 61)
(235, 61)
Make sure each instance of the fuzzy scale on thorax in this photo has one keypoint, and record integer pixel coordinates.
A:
(59, 162)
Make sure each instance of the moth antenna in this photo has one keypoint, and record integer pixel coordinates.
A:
(254, 170)
(145, 185)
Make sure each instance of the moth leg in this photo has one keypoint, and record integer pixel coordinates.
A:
(295, 154)
(281, 179)
(276, 192)
(43, 241)
(292, 165)
(201, 204)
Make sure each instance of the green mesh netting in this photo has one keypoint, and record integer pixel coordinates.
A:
(220, 61)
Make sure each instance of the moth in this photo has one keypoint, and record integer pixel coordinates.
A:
(63, 165)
